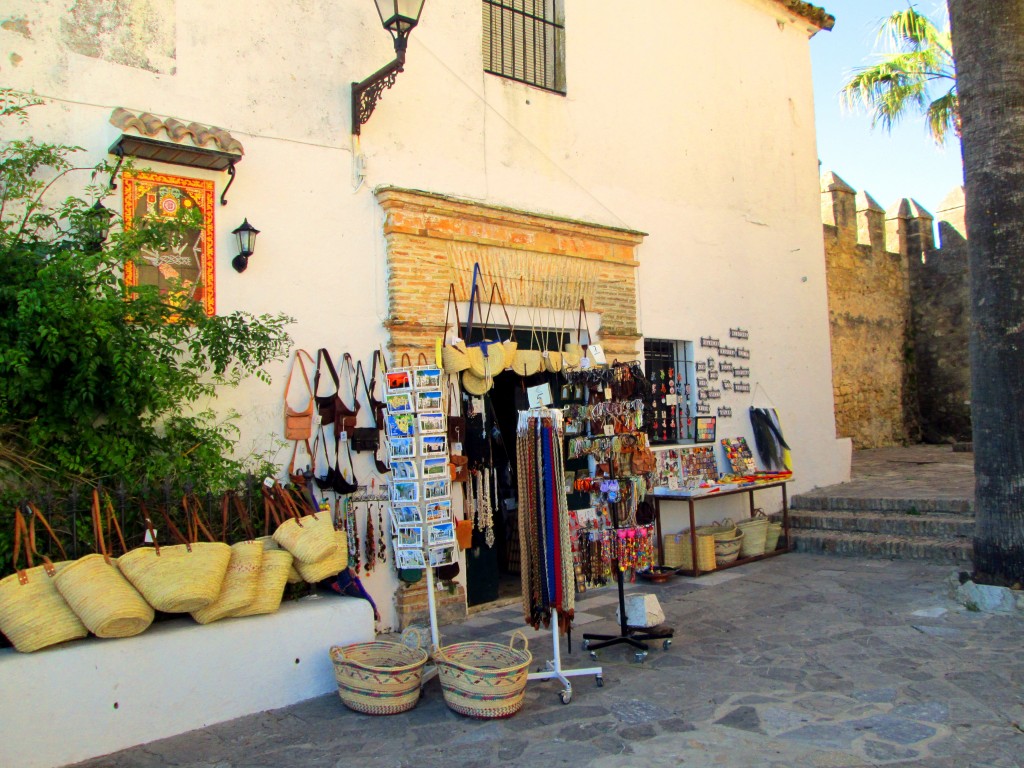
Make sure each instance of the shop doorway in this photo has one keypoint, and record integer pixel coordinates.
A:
(492, 573)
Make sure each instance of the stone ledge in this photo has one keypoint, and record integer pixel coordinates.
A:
(93, 697)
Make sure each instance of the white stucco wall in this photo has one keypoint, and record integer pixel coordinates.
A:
(698, 131)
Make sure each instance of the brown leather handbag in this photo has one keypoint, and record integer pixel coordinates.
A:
(298, 424)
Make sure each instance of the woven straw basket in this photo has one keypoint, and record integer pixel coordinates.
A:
(332, 565)
(240, 583)
(510, 348)
(490, 364)
(274, 568)
(380, 678)
(309, 538)
(103, 598)
(484, 680)
(528, 362)
(678, 553)
(727, 549)
(476, 385)
(455, 357)
(180, 579)
(754, 532)
(571, 355)
(771, 540)
(33, 615)
(553, 362)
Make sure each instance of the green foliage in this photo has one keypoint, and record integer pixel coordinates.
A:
(916, 74)
(97, 382)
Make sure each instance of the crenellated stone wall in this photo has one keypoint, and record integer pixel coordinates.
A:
(898, 316)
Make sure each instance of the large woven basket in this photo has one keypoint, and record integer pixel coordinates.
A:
(274, 569)
(33, 615)
(484, 680)
(332, 565)
(309, 538)
(527, 362)
(103, 598)
(754, 532)
(380, 678)
(455, 357)
(727, 549)
(679, 554)
(240, 583)
(181, 578)
(486, 365)
(771, 540)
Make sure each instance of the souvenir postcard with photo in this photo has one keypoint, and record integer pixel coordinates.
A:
(435, 467)
(439, 511)
(427, 378)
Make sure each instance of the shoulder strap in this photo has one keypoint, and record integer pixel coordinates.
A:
(305, 376)
(579, 325)
(367, 389)
(325, 355)
(349, 369)
(452, 303)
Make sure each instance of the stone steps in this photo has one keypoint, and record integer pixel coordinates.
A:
(813, 501)
(957, 550)
(884, 523)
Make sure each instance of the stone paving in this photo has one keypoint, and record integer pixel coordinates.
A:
(799, 660)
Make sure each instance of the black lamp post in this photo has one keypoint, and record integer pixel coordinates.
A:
(98, 225)
(398, 17)
(246, 235)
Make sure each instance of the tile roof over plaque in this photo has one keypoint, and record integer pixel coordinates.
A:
(819, 17)
(150, 125)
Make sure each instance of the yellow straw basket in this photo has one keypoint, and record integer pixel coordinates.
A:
(679, 554)
(240, 583)
(380, 678)
(484, 680)
(332, 565)
(33, 615)
(455, 357)
(771, 539)
(755, 531)
(274, 568)
(486, 365)
(98, 592)
(310, 538)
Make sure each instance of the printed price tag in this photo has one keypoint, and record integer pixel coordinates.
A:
(671, 399)
(609, 430)
(457, 447)
(148, 538)
(268, 481)
(607, 393)
(343, 436)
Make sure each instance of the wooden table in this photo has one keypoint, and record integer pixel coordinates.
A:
(700, 494)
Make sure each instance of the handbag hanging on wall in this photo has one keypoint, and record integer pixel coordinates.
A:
(345, 418)
(456, 421)
(298, 424)
(365, 438)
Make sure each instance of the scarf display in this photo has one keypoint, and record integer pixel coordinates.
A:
(546, 562)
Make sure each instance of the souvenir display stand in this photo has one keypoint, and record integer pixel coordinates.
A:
(547, 564)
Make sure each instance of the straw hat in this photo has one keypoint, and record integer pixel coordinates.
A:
(476, 385)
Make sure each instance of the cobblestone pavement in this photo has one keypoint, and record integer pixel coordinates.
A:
(918, 472)
(799, 660)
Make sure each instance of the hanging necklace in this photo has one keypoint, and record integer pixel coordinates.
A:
(382, 544)
(371, 541)
(470, 499)
(352, 531)
(487, 512)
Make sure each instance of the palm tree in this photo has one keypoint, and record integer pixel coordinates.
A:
(919, 65)
(989, 39)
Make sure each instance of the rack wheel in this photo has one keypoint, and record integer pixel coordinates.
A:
(640, 657)
(600, 681)
(585, 645)
(666, 645)
(593, 655)
(565, 696)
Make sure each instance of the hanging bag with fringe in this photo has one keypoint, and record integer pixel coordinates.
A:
(454, 355)
(180, 578)
(242, 578)
(33, 614)
(96, 589)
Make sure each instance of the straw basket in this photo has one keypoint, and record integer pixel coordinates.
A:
(332, 565)
(380, 678)
(274, 568)
(754, 532)
(486, 359)
(103, 598)
(678, 553)
(309, 538)
(571, 355)
(33, 615)
(771, 540)
(484, 680)
(455, 357)
(181, 578)
(476, 385)
(509, 347)
(727, 549)
(528, 362)
(240, 583)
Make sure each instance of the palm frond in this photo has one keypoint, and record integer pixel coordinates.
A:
(944, 116)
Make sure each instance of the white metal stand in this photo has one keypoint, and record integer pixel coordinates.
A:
(554, 667)
(430, 671)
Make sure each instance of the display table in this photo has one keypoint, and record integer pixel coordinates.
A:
(716, 492)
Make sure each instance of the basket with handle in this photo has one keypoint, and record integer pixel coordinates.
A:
(454, 356)
(180, 578)
(241, 580)
(380, 678)
(33, 614)
(679, 553)
(727, 546)
(486, 357)
(96, 589)
(771, 539)
(755, 531)
(310, 538)
(332, 564)
(484, 680)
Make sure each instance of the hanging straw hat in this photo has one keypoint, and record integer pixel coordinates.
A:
(476, 385)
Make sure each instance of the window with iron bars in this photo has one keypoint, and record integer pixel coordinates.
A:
(524, 40)
(668, 416)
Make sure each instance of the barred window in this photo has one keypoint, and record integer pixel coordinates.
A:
(524, 40)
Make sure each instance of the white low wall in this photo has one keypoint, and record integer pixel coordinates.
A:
(93, 697)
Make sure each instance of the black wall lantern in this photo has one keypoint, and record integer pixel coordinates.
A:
(97, 222)
(398, 17)
(246, 235)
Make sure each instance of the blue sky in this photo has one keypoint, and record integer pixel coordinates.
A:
(906, 163)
